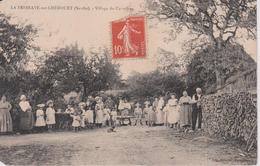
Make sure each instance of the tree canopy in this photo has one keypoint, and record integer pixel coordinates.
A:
(217, 20)
(69, 68)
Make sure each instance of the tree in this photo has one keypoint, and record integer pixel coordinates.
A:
(16, 42)
(153, 84)
(70, 68)
(214, 23)
(201, 71)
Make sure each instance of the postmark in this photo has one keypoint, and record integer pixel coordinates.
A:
(128, 37)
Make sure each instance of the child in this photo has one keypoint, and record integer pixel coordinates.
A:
(82, 110)
(146, 109)
(150, 115)
(50, 115)
(89, 117)
(70, 109)
(138, 114)
(76, 121)
(113, 117)
(40, 122)
(107, 116)
(99, 116)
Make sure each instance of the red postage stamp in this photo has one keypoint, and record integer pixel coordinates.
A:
(128, 37)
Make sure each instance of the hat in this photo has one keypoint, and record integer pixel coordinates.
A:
(82, 104)
(49, 102)
(22, 97)
(41, 105)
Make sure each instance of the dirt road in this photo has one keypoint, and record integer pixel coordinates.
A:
(129, 145)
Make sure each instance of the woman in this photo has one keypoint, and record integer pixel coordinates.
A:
(26, 115)
(173, 111)
(186, 111)
(5, 116)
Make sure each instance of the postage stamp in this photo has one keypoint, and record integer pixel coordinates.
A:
(128, 37)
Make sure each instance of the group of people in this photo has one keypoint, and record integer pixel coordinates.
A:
(183, 113)
(93, 112)
(98, 112)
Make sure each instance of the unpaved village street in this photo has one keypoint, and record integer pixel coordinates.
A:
(128, 145)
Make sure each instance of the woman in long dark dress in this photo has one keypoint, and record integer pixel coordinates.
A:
(26, 115)
(5, 116)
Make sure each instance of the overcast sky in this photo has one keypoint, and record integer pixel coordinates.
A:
(91, 28)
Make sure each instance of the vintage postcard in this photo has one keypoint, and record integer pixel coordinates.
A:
(133, 82)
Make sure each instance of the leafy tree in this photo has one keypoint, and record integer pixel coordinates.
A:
(212, 23)
(70, 68)
(15, 46)
(154, 83)
(201, 71)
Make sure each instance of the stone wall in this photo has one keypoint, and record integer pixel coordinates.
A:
(232, 116)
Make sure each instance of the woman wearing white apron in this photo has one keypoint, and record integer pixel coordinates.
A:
(173, 111)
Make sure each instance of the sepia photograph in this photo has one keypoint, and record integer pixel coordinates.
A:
(133, 82)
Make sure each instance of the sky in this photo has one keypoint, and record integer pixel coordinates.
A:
(90, 28)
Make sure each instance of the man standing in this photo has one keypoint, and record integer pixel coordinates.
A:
(196, 109)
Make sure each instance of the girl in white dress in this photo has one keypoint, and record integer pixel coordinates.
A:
(76, 121)
(82, 110)
(50, 115)
(99, 116)
(89, 117)
(107, 116)
(40, 122)
(173, 111)
(159, 112)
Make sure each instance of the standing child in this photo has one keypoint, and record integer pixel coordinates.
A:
(50, 115)
(113, 117)
(82, 111)
(99, 116)
(145, 111)
(107, 115)
(40, 122)
(138, 114)
(89, 117)
(76, 121)
(151, 115)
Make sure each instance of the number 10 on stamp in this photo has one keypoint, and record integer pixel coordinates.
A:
(128, 38)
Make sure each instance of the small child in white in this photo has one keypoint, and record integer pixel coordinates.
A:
(107, 116)
(40, 122)
(76, 121)
(82, 110)
(138, 112)
(50, 115)
(89, 117)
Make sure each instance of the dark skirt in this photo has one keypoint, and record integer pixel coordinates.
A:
(26, 120)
